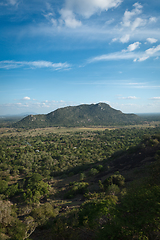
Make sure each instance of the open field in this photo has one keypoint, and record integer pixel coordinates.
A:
(45, 131)
(63, 130)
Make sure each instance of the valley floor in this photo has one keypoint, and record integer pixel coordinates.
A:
(92, 183)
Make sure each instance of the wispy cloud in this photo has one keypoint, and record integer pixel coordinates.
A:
(140, 85)
(152, 40)
(9, 2)
(10, 64)
(129, 54)
(128, 98)
(131, 22)
(113, 56)
(26, 98)
(133, 46)
(155, 98)
(151, 52)
(128, 15)
(122, 84)
(13, 2)
(45, 106)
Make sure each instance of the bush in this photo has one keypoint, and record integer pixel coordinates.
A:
(17, 230)
(113, 189)
(116, 179)
(3, 186)
(93, 171)
(12, 190)
(36, 187)
(82, 176)
(92, 211)
(77, 188)
(43, 213)
(100, 168)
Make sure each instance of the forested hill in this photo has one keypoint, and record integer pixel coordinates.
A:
(100, 114)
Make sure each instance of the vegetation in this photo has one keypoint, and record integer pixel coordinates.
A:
(80, 184)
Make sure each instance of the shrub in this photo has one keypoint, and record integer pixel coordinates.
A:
(82, 176)
(91, 211)
(77, 188)
(100, 168)
(36, 187)
(43, 213)
(12, 190)
(116, 179)
(17, 230)
(3, 186)
(113, 189)
(93, 171)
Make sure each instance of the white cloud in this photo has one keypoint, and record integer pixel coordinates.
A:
(149, 53)
(125, 38)
(87, 8)
(153, 50)
(33, 106)
(133, 46)
(13, 2)
(114, 39)
(129, 54)
(155, 98)
(69, 18)
(114, 56)
(26, 98)
(152, 40)
(48, 15)
(10, 64)
(129, 14)
(152, 20)
(131, 22)
(137, 23)
(54, 22)
(143, 58)
(128, 98)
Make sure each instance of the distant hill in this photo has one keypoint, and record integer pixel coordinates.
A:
(100, 114)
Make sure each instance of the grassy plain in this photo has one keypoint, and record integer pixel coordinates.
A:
(64, 130)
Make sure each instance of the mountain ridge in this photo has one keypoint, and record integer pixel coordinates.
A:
(84, 115)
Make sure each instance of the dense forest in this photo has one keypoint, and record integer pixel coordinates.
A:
(81, 184)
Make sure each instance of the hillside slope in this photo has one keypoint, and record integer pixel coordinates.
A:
(100, 114)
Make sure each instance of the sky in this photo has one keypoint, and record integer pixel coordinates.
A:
(58, 53)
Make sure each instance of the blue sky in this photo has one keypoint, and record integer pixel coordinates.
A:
(56, 53)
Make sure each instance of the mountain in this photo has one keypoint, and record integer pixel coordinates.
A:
(100, 114)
